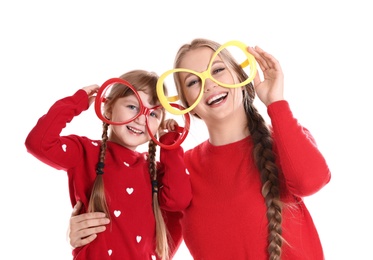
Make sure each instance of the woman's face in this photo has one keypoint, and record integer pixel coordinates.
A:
(135, 132)
(217, 101)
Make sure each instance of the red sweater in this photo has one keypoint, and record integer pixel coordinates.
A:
(131, 233)
(227, 216)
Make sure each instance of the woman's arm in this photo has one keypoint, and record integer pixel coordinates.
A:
(83, 228)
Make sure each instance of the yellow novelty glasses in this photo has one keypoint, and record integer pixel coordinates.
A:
(218, 70)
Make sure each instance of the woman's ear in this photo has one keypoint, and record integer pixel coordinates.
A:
(194, 113)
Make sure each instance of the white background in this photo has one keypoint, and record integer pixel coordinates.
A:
(49, 49)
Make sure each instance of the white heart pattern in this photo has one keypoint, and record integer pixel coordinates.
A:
(129, 190)
(94, 143)
(110, 251)
(138, 239)
(117, 213)
(153, 257)
(64, 147)
(186, 171)
(126, 164)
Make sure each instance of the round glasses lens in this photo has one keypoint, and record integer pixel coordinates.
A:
(179, 123)
(119, 104)
(190, 87)
(221, 69)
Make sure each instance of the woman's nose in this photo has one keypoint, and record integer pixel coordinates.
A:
(209, 84)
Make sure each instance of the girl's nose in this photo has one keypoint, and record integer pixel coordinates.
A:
(141, 120)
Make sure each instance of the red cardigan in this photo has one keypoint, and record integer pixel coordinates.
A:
(131, 233)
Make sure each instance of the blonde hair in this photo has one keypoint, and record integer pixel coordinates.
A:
(142, 81)
(263, 154)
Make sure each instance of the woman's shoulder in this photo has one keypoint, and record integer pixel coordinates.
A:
(197, 150)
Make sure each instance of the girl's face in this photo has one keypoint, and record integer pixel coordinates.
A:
(217, 102)
(135, 132)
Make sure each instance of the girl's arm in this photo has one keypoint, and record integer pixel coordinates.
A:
(175, 192)
(44, 140)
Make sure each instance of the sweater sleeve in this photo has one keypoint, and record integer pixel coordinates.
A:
(176, 191)
(44, 141)
(303, 166)
(172, 220)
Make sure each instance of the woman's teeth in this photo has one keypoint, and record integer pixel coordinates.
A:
(217, 98)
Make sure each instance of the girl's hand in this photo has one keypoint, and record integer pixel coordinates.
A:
(91, 92)
(271, 88)
(83, 228)
(168, 126)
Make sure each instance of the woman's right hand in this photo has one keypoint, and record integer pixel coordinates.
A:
(83, 228)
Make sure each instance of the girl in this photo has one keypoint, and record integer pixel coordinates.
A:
(135, 184)
(248, 179)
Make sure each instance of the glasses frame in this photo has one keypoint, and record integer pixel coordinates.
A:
(165, 101)
(183, 131)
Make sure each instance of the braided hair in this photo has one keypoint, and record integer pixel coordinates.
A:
(263, 154)
(142, 81)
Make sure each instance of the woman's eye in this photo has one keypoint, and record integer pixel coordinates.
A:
(193, 82)
(218, 70)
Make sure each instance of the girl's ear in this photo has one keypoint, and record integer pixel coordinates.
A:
(108, 113)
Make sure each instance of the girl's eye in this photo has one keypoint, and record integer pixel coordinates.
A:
(157, 113)
(133, 107)
(153, 114)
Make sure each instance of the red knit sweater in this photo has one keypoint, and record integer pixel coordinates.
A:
(227, 216)
(131, 233)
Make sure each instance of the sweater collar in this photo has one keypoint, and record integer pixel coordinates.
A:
(121, 153)
(231, 147)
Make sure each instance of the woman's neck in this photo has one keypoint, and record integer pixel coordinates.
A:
(228, 130)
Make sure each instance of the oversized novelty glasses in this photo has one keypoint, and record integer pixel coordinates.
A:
(128, 107)
(219, 71)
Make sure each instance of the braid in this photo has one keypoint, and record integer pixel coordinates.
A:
(97, 201)
(263, 154)
(264, 158)
(162, 248)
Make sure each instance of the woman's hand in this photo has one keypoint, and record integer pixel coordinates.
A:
(271, 88)
(83, 228)
(91, 92)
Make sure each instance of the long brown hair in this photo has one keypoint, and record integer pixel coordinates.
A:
(263, 154)
(142, 81)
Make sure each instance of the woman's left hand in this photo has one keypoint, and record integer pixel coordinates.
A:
(271, 88)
